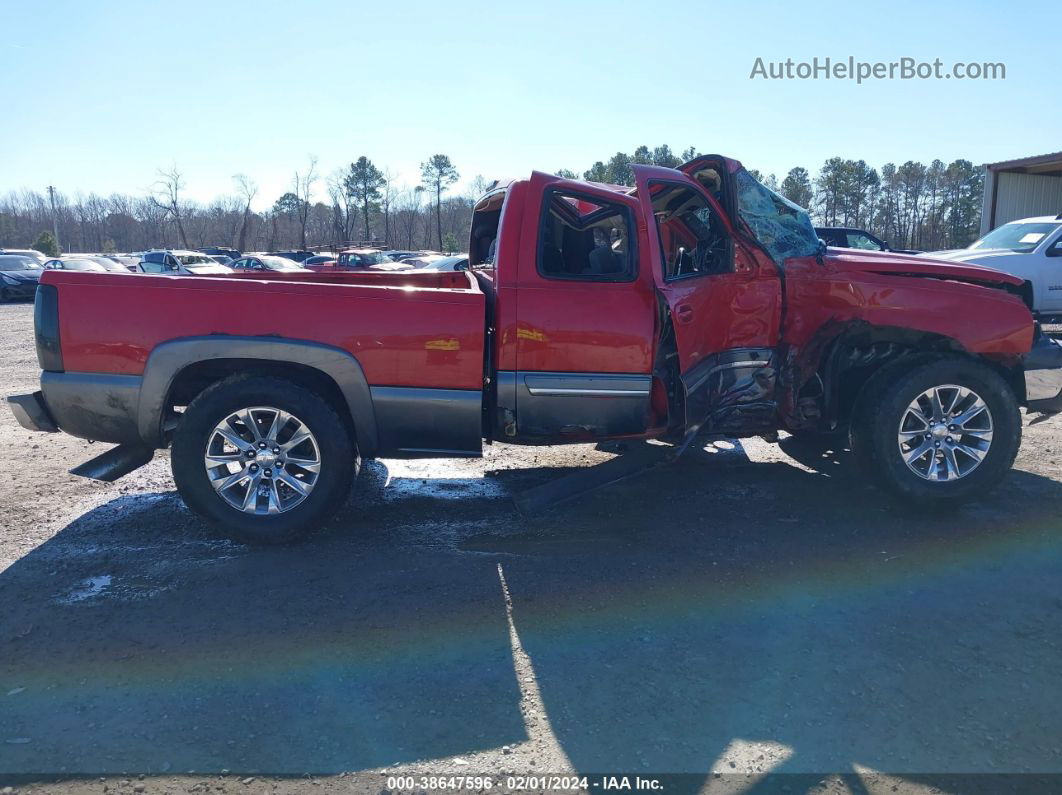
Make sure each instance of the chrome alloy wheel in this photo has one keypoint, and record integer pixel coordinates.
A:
(262, 460)
(945, 433)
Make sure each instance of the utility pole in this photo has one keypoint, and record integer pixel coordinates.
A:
(55, 218)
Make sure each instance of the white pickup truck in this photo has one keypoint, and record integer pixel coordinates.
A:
(1030, 249)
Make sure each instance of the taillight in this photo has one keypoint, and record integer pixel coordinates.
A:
(46, 328)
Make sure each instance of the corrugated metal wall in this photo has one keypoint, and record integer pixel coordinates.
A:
(1026, 195)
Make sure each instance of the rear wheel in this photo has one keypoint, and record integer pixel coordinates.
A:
(263, 459)
(944, 431)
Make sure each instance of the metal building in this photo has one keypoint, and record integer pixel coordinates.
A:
(1021, 189)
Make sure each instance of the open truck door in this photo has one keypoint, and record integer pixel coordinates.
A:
(723, 296)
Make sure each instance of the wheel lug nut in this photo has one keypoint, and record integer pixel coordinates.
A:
(928, 435)
(262, 445)
(254, 467)
(936, 444)
(276, 451)
(948, 440)
(269, 473)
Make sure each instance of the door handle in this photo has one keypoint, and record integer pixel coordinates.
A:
(684, 313)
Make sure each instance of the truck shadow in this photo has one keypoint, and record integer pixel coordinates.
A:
(749, 617)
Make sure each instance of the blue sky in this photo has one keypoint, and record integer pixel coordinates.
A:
(98, 96)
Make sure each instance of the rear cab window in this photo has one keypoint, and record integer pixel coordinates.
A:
(585, 239)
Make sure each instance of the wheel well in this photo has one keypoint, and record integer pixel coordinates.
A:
(853, 359)
(193, 379)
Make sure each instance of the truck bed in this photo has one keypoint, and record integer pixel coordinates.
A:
(404, 329)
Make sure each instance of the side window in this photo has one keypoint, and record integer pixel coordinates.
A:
(240, 263)
(171, 262)
(693, 238)
(585, 239)
(857, 240)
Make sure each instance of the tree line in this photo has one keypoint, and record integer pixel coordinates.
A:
(912, 205)
(357, 202)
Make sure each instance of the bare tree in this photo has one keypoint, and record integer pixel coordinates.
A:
(387, 198)
(166, 195)
(303, 187)
(246, 189)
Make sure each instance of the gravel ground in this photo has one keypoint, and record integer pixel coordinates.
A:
(755, 611)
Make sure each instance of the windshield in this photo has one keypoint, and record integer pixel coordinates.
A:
(781, 227)
(194, 259)
(1016, 237)
(18, 264)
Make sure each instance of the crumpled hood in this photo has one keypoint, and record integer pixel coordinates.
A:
(23, 276)
(916, 265)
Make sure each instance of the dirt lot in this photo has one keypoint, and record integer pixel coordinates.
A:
(756, 611)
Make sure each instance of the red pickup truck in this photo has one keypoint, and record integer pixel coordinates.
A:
(698, 302)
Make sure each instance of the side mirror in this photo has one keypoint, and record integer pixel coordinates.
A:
(885, 245)
(1055, 250)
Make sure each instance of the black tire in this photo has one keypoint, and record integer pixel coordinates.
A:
(339, 461)
(880, 409)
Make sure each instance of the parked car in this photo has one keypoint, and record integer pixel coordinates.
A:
(19, 275)
(361, 258)
(129, 262)
(74, 264)
(438, 263)
(849, 237)
(323, 261)
(221, 251)
(107, 263)
(297, 256)
(266, 262)
(182, 263)
(1030, 249)
(271, 393)
(32, 253)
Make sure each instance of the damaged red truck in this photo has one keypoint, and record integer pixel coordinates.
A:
(698, 302)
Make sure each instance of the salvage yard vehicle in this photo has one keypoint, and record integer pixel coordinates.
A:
(850, 237)
(19, 276)
(697, 303)
(1030, 249)
(184, 263)
(266, 262)
(77, 263)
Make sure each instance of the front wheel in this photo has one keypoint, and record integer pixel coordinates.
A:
(944, 431)
(263, 459)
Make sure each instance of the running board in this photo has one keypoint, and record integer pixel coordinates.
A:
(114, 463)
